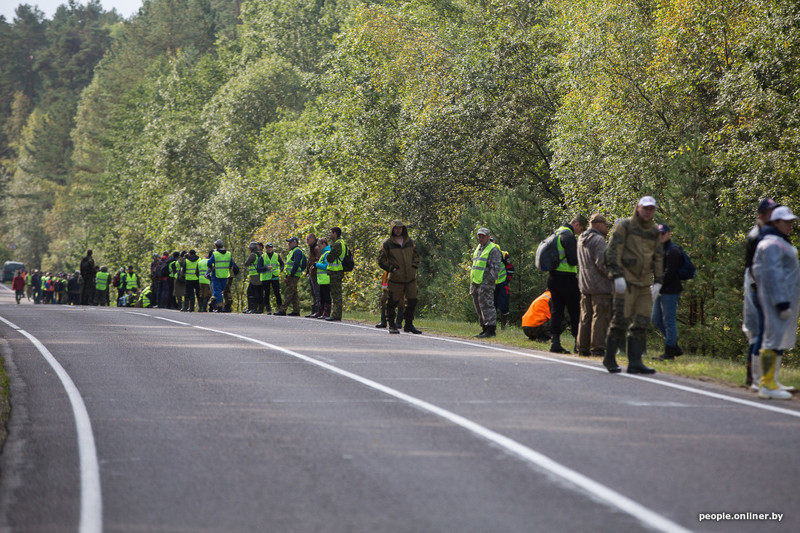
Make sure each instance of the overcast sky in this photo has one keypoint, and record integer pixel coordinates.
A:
(126, 8)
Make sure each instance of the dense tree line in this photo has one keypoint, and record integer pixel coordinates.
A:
(204, 119)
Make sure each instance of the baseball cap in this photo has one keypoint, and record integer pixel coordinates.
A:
(663, 228)
(782, 213)
(766, 204)
(292, 239)
(268, 245)
(647, 201)
(483, 231)
(218, 243)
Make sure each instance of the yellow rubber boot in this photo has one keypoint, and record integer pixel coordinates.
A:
(769, 389)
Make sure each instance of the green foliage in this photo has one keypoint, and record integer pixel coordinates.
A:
(189, 123)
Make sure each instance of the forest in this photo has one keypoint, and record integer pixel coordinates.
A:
(195, 120)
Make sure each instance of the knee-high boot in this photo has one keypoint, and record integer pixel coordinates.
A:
(769, 389)
(391, 314)
(610, 359)
(382, 323)
(635, 351)
(411, 305)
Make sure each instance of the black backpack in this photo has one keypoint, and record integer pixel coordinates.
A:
(547, 256)
(347, 262)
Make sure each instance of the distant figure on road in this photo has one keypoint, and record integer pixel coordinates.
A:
(18, 285)
(87, 272)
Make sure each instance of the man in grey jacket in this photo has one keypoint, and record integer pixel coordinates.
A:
(595, 289)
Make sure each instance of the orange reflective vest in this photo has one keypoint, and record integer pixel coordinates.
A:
(538, 313)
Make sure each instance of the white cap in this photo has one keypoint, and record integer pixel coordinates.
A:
(782, 213)
(647, 201)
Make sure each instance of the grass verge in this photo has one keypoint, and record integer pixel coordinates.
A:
(5, 405)
(703, 368)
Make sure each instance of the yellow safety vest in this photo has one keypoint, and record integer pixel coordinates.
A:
(101, 281)
(479, 261)
(222, 265)
(274, 263)
(202, 267)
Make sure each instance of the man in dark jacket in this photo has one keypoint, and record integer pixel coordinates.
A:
(87, 272)
(562, 282)
(665, 305)
(398, 256)
(753, 320)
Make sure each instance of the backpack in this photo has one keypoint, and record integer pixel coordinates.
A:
(303, 261)
(347, 262)
(162, 270)
(547, 256)
(687, 270)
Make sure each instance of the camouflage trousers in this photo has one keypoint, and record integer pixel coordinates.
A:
(483, 298)
(631, 314)
(290, 295)
(337, 276)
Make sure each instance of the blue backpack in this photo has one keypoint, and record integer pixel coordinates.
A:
(687, 270)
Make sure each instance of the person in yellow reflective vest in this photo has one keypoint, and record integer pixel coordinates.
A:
(336, 271)
(131, 281)
(101, 284)
(255, 290)
(204, 292)
(271, 279)
(191, 275)
(219, 266)
(293, 271)
(146, 297)
(562, 282)
(486, 264)
(324, 280)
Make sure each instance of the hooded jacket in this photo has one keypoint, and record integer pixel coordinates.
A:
(592, 273)
(399, 260)
(776, 272)
(634, 252)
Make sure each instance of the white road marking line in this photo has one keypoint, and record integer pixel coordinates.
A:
(170, 320)
(685, 388)
(91, 514)
(593, 488)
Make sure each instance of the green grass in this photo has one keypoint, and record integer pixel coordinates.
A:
(703, 368)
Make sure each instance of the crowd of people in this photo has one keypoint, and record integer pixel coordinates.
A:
(612, 283)
(615, 285)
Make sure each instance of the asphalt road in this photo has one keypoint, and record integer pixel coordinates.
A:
(205, 422)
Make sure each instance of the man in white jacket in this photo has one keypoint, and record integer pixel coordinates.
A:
(776, 272)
